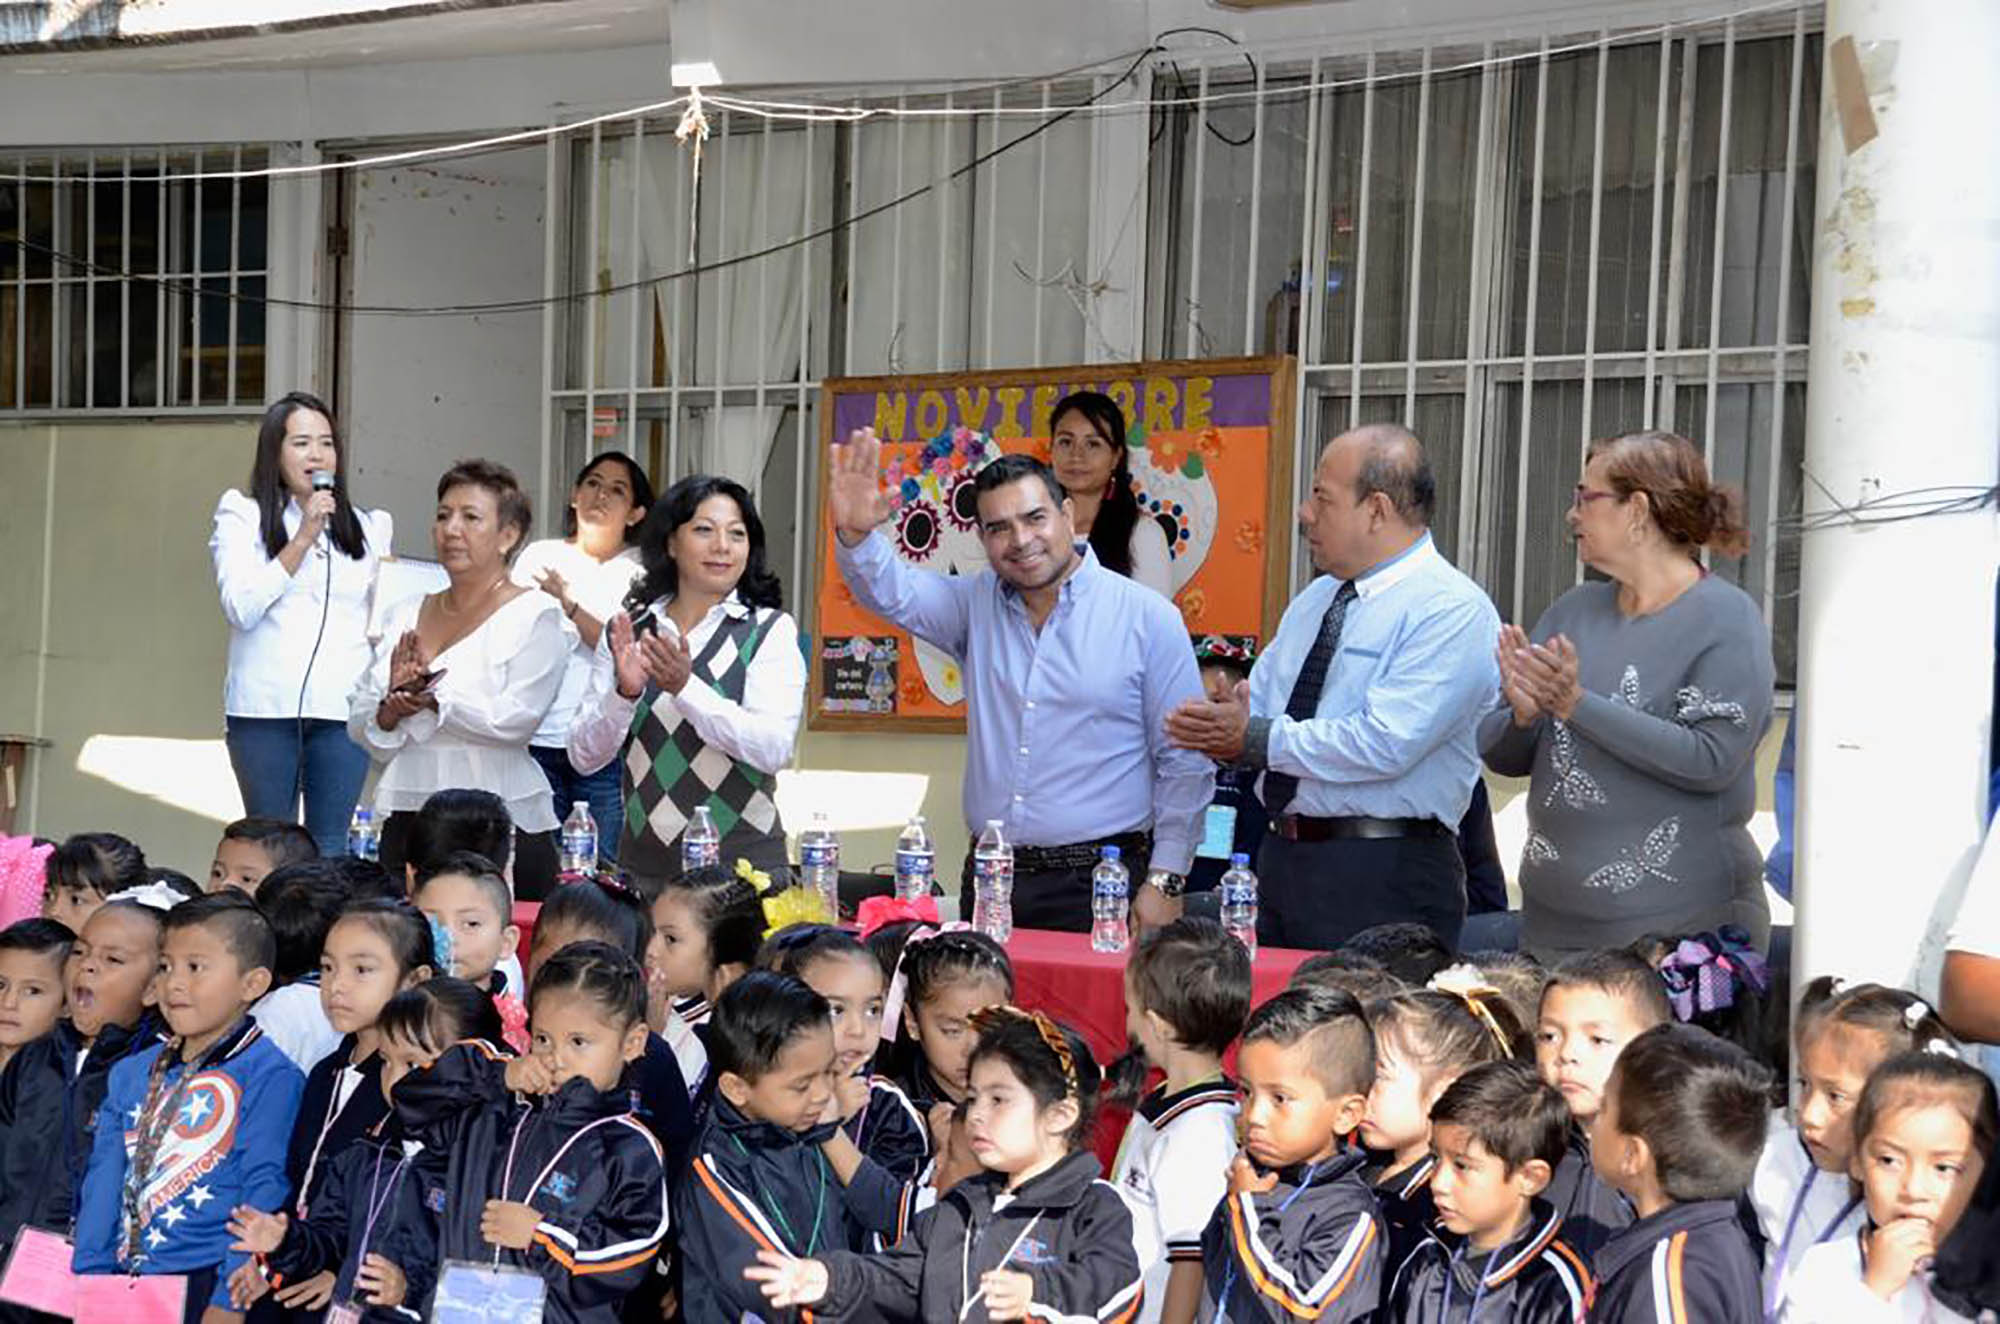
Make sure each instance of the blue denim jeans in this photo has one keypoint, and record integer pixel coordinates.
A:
(602, 790)
(271, 770)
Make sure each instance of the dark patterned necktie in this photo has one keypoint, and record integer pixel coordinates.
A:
(1280, 787)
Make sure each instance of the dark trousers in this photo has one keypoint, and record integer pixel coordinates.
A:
(601, 790)
(1317, 895)
(537, 862)
(273, 773)
(1050, 898)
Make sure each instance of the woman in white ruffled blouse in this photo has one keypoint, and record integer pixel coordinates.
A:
(295, 568)
(461, 678)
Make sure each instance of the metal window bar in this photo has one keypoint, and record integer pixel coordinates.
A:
(1256, 215)
(1781, 340)
(1524, 440)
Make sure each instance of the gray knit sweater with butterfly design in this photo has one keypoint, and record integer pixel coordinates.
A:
(1639, 804)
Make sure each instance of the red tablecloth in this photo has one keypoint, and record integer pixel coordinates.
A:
(1059, 974)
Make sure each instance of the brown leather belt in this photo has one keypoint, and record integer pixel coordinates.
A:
(1301, 827)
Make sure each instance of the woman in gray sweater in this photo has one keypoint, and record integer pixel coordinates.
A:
(1635, 708)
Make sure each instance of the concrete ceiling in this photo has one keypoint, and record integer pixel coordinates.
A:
(517, 27)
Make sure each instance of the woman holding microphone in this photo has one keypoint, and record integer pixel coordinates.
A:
(295, 565)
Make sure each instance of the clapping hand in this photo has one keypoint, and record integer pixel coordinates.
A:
(509, 1223)
(1008, 1293)
(1527, 704)
(256, 1232)
(1548, 671)
(1213, 727)
(380, 1282)
(855, 499)
(787, 1281)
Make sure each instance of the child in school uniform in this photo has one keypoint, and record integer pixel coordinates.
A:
(547, 1169)
(1496, 1252)
(470, 907)
(882, 1143)
(1923, 1129)
(1802, 1193)
(761, 1178)
(1678, 1131)
(197, 1125)
(1035, 1236)
(1592, 1006)
(1298, 1234)
(252, 849)
(51, 1091)
(1187, 992)
(707, 926)
(1424, 1039)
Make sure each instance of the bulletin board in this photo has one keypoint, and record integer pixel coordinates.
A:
(1211, 460)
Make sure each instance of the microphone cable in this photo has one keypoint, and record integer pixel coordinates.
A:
(299, 716)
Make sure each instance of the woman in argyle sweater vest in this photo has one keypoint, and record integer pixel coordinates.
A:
(698, 685)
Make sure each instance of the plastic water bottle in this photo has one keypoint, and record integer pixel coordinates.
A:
(819, 865)
(993, 884)
(1110, 885)
(364, 834)
(701, 844)
(579, 842)
(1239, 901)
(916, 861)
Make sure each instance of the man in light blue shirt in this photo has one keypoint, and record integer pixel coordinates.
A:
(1070, 672)
(1362, 710)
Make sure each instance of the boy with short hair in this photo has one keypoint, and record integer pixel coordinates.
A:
(1497, 1132)
(301, 900)
(1187, 991)
(759, 1180)
(32, 955)
(1592, 1006)
(1682, 1123)
(471, 910)
(51, 1090)
(198, 1125)
(251, 849)
(1298, 1234)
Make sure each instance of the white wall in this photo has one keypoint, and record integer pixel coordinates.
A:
(420, 392)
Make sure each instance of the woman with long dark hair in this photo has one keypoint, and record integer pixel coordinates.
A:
(588, 572)
(699, 684)
(295, 565)
(1087, 447)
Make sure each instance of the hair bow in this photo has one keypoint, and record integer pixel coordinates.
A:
(986, 1018)
(1702, 973)
(23, 878)
(1469, 984)
(881, 911)
(899, 984)
(153, 896)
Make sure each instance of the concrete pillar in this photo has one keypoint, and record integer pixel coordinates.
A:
(1896, 619)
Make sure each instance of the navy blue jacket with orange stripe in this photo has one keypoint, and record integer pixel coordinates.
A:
(368, 1200)
(602, 1199)
(1688, 1264)
(753, 1186)
(1311, 1247)
(1533, 1279)
(1067, 1230)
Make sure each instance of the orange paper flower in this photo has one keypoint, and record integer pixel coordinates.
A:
(1249, 537)
(1208, 445)
(1170, 451)
(913, 690)
(1193, 605)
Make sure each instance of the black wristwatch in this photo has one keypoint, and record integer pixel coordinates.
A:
(1170, 885)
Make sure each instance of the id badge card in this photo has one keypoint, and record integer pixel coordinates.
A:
(344, 1313)
(1218, 833)
(37, 1275)
(487, 1294)
(146, 1299)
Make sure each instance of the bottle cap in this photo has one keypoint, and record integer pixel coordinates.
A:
(1239, 861)
(1110, 852)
